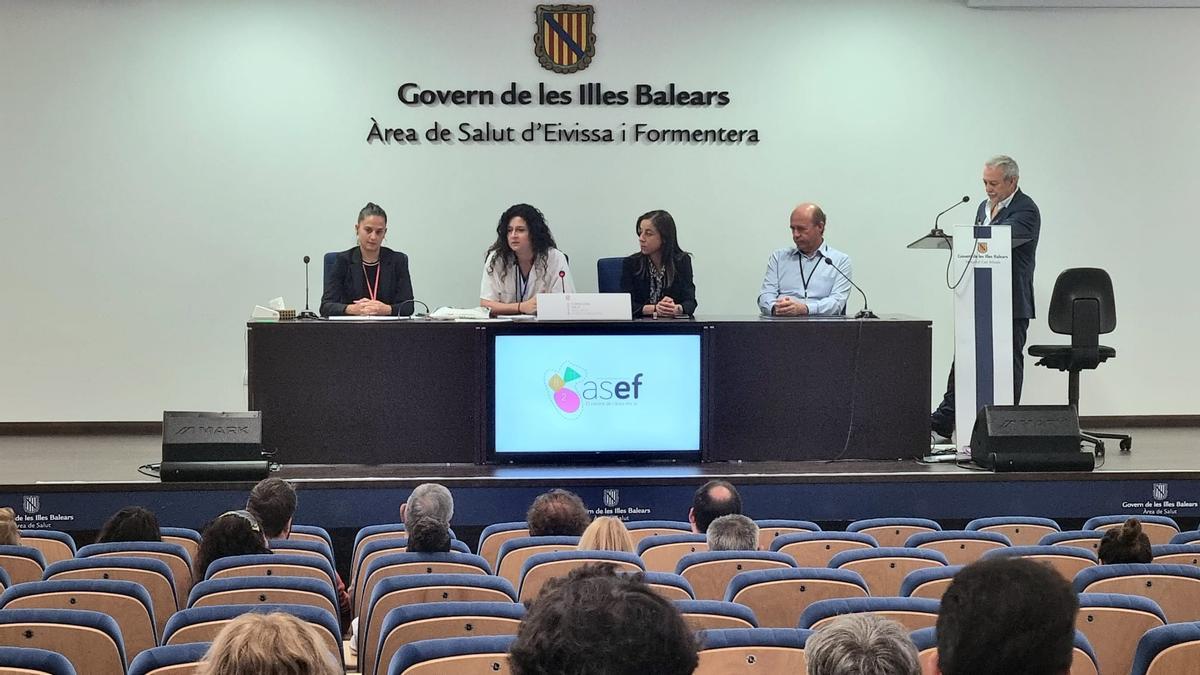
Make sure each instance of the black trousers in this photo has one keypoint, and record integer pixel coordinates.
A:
(942, 419)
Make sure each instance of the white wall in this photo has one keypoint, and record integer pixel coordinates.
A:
(166, 165)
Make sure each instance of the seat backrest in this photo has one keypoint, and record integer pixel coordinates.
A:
(912, 613)
(90, 640)
(640, 529)
(5, 580)
(152, 575)
(33, 661)
(961, 547)
(174, 555)
(514, 553)
(669, 585)
(373, 550)
(1020, 530)
(181, 659)
(710, 572)
(769, 530)
(271, 564)
(1175, 588)
(893, 532)
(440, 620)
(662, 553)
(125, 601)
(1066, 560)
(270, 590)
(713, 614)
(202, 624)
(1176, 554)
(402, 563)
(301, 547)
(608, 274)
(543, 567)
(1075, 289)
(186, 537)
(1086, 539)
(1113, 625)
(494, 536)
(884, 568)
(415, 589)
(311, 533)
(1168, 650)
(778, 597)
(751, 651)
(454, 656)
(53, 544)
(1158, 529)
(22, 563)
(816, 549)
(929, 582)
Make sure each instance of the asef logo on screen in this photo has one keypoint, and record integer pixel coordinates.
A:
(569, 390)
(564, 41)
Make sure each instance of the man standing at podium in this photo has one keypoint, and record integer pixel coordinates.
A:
(802, 280)
(1005, 205)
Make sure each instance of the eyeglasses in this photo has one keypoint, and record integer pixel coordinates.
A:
(244, 515)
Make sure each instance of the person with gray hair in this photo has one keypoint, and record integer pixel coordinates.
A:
(861, 644)
(1008, 206)
(427, 499)
(734, 532)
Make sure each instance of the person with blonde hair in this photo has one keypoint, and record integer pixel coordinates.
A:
(269, 644)
(606, 534)
(10, 534)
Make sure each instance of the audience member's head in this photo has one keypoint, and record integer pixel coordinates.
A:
(557, 513)
(714, 499)
(734, 532)
(1006, 615)
(1125, 544)
(273, 504)
(231, 533)
(132, 523)
(269, 644)
(606, 534)
(428, 535)
(597, 622)
(427, 499)
(10, 534)
(861, 644)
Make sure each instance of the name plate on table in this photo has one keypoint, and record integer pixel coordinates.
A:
(583, 307)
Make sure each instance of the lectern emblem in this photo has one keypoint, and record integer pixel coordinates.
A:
(1160, 492)
(564, 42)
(982, 247)
(32, 503)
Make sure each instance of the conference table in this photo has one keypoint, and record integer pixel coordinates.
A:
(417, 390)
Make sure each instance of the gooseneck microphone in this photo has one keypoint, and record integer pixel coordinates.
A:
(307, 313)
(562, 279)
(415, 302)
(866, 312)
(936, 231)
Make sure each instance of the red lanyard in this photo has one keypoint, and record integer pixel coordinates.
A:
(372, 291)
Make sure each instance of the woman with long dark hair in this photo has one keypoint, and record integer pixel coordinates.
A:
(658, 278)
(521, 263)
(369, 279)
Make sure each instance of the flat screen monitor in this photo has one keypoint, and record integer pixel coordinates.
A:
(595, 396)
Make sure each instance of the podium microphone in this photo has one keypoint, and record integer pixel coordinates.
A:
(562, 279)
(866, 312)
(307, 313)
(936, 232)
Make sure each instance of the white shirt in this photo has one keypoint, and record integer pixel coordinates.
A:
(509, 288)
(989, 210)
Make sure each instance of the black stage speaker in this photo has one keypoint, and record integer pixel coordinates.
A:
(212, 446)
(1029, 438)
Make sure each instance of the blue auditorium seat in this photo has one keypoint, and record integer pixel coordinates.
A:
(779, 596)
(167, 658)
(1168, 650)
(913, 613)
(490, 651)
(35, 661)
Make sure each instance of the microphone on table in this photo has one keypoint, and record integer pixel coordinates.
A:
(562, 278)
(415, 303)
(936, 232)
(307, 313)
(866, 312)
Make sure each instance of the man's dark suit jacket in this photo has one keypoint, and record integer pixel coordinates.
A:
(682, 289)
(1023, 217)
(346, 282)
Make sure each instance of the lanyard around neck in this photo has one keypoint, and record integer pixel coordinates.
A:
(372, 291)
(522, 282)
(800, 261)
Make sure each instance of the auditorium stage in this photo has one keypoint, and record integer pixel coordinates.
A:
(73, 483)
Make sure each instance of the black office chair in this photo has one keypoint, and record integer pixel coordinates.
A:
(1083, 307)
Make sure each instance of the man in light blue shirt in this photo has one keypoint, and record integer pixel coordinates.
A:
(799, 281)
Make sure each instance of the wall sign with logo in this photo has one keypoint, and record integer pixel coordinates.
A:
(564, 42)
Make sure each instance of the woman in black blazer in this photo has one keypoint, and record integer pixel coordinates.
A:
(659, 277)
(369, 279)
